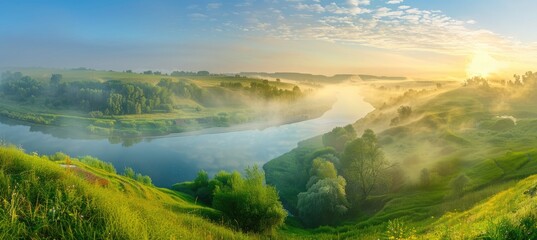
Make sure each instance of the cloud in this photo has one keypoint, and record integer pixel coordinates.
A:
(214, 5)
(358, 22)
(198, 16)
(394, 1)
(352, 10)
(310, 7)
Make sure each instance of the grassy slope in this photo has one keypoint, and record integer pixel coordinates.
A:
(40, 199)
(451, 132)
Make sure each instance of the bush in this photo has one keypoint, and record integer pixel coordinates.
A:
(96, 114)
(59, 156)
(94, 162)
(505, 229)
(250, 204)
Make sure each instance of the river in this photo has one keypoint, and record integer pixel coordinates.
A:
(178, 157)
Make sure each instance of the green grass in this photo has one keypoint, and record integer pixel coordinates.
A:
(39, 199)
(452, 132)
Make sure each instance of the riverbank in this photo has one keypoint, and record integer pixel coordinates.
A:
(136, 127)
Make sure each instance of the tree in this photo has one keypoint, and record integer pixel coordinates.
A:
(323, 203)
(404, 112)
(129, 172)
(363, 163)
(55, 79)
(249, 203)
(338, 137)
(325, 200)
(115, 102)
(321, 169)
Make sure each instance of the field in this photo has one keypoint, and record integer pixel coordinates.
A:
(214, 106)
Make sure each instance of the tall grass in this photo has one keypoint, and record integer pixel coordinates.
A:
(41, 200)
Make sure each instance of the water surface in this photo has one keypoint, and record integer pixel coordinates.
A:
(178, 157)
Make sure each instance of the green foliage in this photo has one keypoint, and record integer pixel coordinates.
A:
(130, 173)
(41, 200)
(250, 204)
(525, 228)
(59, 156)
(339, 136)
(21, 88)
(321, 169)
(97, 163)
(37, 203)
(363, 163)
(264, 90)
(324, 203)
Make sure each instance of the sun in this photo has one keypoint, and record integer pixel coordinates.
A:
(482, 65)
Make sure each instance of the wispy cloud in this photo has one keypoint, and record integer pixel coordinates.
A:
(394, 1)
(384, 25)
(213, 5)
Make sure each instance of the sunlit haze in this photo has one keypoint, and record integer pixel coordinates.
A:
(419, 39)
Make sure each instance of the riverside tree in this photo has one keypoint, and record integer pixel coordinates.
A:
(363, 163)
(325, 200)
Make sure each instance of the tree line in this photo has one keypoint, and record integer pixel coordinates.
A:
(265, 90)
(112, 97)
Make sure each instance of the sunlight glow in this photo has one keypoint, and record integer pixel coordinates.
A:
(482, 65)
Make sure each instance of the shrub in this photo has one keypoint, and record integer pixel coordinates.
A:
(250, 204)
(94, 162)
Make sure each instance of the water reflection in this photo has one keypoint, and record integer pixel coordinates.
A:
(178, 157)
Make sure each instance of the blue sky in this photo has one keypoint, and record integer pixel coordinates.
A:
(400, 37)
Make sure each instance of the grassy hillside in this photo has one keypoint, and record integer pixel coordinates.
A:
(40, 199)
(486, 134)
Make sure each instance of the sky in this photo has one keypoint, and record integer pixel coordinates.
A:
(422, 39)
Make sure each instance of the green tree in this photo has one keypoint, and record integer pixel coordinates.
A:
(249, 203)
(321, 169)
(115, 102)
(363, 163)
(338, 137)
(325, 200)
(129, 172)
(55, 79)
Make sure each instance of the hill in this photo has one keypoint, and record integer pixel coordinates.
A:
(305, 77)
(42, 199)
(480, 137)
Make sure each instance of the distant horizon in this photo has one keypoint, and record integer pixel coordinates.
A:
(417, 39)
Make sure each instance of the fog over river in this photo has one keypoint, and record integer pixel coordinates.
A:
(178, 157)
